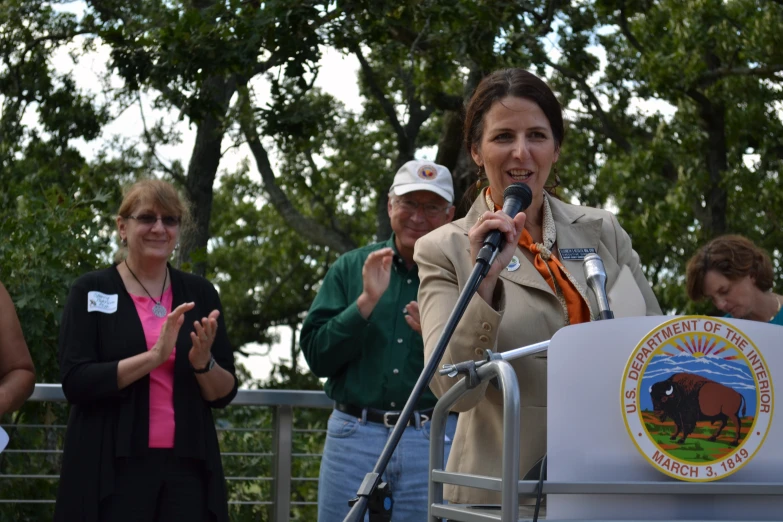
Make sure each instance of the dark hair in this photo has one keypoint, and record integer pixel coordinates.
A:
(157, 193)
(732, 256)
(510, 82)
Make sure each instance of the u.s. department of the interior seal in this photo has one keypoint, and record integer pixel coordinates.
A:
(697, 398)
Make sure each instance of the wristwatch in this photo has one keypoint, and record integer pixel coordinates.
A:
(208, 367)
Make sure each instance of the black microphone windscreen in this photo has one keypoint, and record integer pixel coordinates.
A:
(519, 191)
(516, 198)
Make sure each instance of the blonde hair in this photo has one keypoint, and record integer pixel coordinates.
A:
(156, 193)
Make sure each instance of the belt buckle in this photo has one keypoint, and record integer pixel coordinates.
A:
(388, 414)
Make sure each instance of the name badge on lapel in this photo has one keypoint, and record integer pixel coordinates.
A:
(575, 254)
(100, 302)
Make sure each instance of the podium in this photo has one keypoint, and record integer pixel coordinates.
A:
(595, 471)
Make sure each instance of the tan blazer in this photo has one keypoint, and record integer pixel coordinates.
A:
(525, 311)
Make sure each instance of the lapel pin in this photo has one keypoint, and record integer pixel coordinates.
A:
(513, 265)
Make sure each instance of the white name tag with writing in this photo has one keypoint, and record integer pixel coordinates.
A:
(100, 302)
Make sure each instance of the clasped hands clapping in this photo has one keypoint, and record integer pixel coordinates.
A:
(376, 274)
(202, 337)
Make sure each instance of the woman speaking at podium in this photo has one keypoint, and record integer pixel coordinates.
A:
(514, 132)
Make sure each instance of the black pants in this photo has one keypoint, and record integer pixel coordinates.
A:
(158, 487)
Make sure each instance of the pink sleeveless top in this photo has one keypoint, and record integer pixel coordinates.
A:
(161, 434)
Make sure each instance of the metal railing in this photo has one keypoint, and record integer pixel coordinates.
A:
(282, 452)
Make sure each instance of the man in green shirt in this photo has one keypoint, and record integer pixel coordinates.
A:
(363, 334)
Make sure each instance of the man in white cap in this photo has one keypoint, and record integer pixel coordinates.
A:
(363, 334)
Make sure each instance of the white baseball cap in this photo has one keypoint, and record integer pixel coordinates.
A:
(423, 175)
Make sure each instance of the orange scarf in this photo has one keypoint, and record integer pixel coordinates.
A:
(554, 273)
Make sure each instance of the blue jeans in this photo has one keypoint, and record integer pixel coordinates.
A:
(351, 451)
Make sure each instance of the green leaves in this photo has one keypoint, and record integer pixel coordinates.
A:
(672, 108)
(52, 236)
(55, 211)
(665, 128)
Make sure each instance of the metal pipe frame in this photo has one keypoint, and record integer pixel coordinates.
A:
(507, 379)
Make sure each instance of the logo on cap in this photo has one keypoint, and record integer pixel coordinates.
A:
(427, 172)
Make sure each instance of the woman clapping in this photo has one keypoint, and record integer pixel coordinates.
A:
(144, 356)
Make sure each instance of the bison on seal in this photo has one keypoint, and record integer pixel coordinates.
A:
(688, 398)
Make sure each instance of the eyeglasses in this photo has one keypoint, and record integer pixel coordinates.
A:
(151, 219)
(411, 207)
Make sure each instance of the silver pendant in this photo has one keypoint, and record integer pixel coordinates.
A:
(159, 310)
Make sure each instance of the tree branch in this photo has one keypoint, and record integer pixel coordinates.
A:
(178, 177)
(242, 352)
(447, 102)
(608, 127)
(295, 267)
(410, 94)
(58, 37)
(540, 19)
(279, 58)
(418, 116)
(273, 61)
(407, 75)
(714, 75)
(406, 36)
(377, 92)
(307, 228)
(316, 175)
(549, 14)
(236, 144)
(418, 39)
(626, 30)
(544, 24)
(703, 102)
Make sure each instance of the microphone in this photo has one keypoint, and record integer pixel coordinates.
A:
(516, 197)
(596, 280)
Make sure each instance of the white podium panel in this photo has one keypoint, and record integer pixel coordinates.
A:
(587, 440)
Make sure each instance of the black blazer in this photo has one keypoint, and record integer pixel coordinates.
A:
(105, 422)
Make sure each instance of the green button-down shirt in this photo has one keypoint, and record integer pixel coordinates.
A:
(368, 363)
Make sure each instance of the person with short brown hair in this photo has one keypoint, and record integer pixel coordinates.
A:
(144, 357)
(737, 276)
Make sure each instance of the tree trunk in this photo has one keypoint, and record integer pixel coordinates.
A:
(717, 164)
(713, 117)
(202, 171)
(383, 228)
(453, 154)
(450, 143)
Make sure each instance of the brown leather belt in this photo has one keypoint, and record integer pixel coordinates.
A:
(387, 418)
